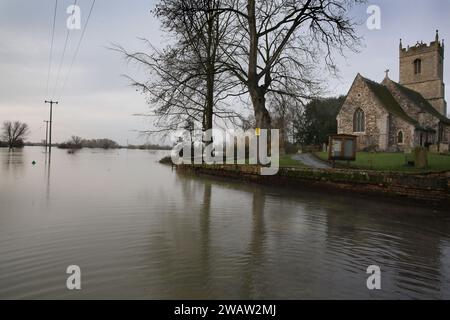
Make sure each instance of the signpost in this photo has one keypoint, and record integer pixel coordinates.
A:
(342, 147)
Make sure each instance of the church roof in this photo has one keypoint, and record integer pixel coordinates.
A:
(388, 100)
(417, 99)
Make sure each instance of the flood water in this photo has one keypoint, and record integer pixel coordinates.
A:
(137, 229)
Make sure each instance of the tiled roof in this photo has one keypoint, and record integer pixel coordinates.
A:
(418, 100)
(388, 101)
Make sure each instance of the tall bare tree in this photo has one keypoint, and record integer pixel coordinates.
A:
(187, 82)
(13, 133)
(276, 43)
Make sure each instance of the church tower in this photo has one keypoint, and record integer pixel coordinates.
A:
(422, 70)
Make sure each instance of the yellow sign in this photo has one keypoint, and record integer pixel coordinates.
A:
(258, 132)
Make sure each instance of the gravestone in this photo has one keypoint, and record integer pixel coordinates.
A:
(421, 157)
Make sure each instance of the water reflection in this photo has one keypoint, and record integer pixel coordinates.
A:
(139, 230)
(255, 247)
(48, 167)
(205, 225)
(322, 242)
(12, 160)
(406, 247)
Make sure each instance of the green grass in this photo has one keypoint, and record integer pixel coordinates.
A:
(287, 161)
(385, 161)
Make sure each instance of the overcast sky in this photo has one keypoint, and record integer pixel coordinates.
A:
(98, 102)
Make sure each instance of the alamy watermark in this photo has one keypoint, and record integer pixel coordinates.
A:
(374, 20)
(228, 147)
(73, 282)
(374, 280)
(74, 20)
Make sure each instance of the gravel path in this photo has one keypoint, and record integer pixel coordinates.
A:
(311, 161)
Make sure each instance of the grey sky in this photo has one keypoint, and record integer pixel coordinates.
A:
(99, 103)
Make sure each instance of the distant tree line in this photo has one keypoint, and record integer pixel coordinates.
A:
(14, 133)
(76, 142)
(149, 147)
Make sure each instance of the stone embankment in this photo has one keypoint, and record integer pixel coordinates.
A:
(427, 188)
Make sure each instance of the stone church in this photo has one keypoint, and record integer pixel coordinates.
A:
(398, 116)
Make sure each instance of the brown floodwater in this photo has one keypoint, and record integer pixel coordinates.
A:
(137, 229)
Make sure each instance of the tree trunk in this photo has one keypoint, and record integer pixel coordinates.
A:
(209, 103)
(257, 93)
(211, 46)
(262, 115)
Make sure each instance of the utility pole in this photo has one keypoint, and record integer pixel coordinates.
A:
(46, 134)
(51, 102)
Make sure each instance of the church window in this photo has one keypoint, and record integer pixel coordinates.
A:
(359, 121)
(417, 66)
(400, 137)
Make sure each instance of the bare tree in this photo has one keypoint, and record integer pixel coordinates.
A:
(276, 43)
(227, 48)
(76, 141)
(283, 110)
(187, 81)
(14, 133)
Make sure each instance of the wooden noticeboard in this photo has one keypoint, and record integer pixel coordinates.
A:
(342, 147)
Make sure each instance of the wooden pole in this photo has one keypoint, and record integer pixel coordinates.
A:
(51, 102)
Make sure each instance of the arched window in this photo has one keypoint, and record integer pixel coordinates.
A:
(359, 121)
(417, 66)
(400, 137)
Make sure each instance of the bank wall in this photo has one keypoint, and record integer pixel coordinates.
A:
(427, 188)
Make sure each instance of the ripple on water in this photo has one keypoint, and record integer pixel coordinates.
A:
(139, 230)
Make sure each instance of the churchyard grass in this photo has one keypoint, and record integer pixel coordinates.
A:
(389, 161)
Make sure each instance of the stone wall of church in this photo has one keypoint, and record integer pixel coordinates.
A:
(429, 82)
(431, 56)
(396, 125)
(361, 97)
(425, 120)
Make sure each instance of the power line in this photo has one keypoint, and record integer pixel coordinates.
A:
(51, 102)
(77, 49)
(63, 55)
(51, 45)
